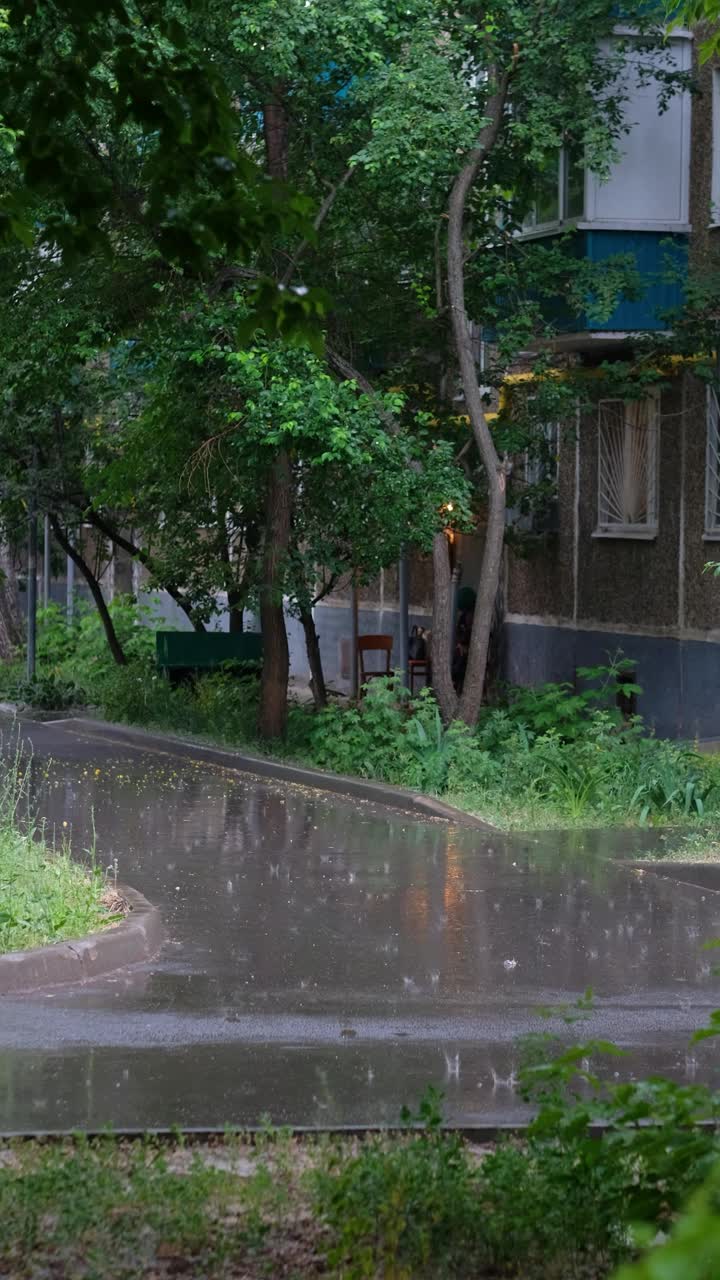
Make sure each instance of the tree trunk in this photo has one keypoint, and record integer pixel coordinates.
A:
(495, 467)
(11, 624)
(312, 646)
(272, 718)
(442, 630)
(275, 130)
(95, 590)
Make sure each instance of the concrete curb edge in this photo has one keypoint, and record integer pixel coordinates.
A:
(132, 940)
(413, 802)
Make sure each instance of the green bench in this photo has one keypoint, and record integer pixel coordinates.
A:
(182, 653)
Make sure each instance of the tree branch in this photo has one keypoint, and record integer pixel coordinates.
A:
(139, 554)
(344, 369)
(320, 217)
(64, 542)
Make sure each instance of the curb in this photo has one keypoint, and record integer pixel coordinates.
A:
(262, 767)
(134, 939)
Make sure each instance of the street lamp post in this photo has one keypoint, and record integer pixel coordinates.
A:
(32, 586)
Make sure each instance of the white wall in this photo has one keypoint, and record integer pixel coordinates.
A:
(648, 188)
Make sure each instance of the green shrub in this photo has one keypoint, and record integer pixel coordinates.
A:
(132, 626)
(46, 692)
(369, 739)
(56, 640)
(550, 755)
(406, 1207)
(565, 710)
(557, 1203)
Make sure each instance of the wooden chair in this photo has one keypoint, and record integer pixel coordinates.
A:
(373, 644)
(418, 667)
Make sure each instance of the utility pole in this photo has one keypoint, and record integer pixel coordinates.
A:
(70, 589)
(46, 562)
(32, 578)
(354, 640)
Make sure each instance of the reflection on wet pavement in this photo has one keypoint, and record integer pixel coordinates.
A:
(327, 959)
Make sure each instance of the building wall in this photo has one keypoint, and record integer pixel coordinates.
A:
(626, 580)
(541, 583)
(620, 581)
(701, 605)
(678, 676)
(587, 597)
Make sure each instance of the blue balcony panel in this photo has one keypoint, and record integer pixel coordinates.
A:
(661, 261)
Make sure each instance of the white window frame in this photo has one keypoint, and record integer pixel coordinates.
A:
(648, 528)
(531, 228)
(712, 467)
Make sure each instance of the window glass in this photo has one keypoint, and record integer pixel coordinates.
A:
(574, 184)
(547, 198)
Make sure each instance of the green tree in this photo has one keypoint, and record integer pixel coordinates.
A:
(419, 136)
(691, 13)
(452, 135)
(75, 80)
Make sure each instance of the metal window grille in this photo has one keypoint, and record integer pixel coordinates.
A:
(712, 468)
(628, 465)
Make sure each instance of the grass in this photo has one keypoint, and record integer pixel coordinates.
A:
(554, 1204)
(694, 846)
(45, 895)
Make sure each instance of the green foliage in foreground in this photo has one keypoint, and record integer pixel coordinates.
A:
(45, 895)
(556, 1204)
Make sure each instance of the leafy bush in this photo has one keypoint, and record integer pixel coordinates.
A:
(551, 755)
(404, 1208)
(368, 739)
(56, 640)
(398, 739)
(47, 692)
(556, 1204)
(132, 626)
(564, 710)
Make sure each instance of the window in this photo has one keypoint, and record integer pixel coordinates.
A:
(628, 468)
(712, 467)
(559, 192)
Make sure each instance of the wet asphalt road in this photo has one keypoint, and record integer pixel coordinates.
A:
(326, 959)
